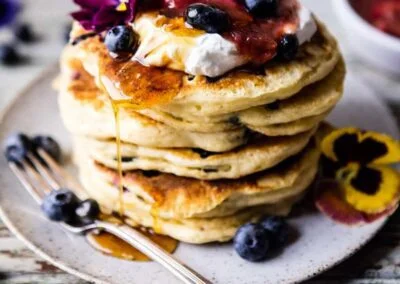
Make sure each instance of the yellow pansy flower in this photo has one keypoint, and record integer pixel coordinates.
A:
(360, 161)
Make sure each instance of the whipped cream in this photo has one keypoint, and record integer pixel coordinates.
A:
(307, 25)
(213, 56)
(199, 53)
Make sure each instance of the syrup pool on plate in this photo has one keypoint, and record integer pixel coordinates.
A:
(114, 246)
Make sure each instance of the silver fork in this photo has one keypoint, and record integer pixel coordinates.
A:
(39, 180)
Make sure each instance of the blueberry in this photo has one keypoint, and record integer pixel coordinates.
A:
(252, 242)
(60, 205)
(203, 153)
(279, 230)
(122, 41)
(9, 55)
(288, 47)
(17, 147)
(49, 145)
(207, 18)
(24, 33)
(87, 211)
(262, 8)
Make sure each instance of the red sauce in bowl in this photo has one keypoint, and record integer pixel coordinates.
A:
(383, 14)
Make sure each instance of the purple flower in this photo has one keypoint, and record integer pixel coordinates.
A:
(100, 15)
(8, 11)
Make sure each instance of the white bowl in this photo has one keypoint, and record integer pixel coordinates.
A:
(378, 48)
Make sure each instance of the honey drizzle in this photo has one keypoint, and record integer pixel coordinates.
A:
(139, 87)
(134, 86)
(117, 106)
(155, 213)
(116, 109)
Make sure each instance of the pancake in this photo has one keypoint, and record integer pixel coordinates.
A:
(198, 211)
(175, 92)
(86, 110)
(259, 154)
(315, 99)
(200, 157)
(278, 129)
(83, 106)
(291, 128)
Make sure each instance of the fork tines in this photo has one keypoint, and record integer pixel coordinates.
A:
(39, 173)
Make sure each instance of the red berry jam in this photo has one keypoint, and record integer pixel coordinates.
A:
(383, 14)
(256, 38)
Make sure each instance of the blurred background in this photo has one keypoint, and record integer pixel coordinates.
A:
(49, 21)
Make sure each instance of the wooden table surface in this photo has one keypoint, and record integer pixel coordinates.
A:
(377, 262)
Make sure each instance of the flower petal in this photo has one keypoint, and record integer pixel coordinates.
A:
(371, 140)
(84, 17)
(100, 15)
(328, 168)
(340, 145)
(107, 17)
(329, 201)
(372, 189)
(370, 218)
(353, 145)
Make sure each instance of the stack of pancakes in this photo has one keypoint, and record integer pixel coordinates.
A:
(215, 154)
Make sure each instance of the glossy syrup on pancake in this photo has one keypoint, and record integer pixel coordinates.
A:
(135, 87)
(155, 213)
(117, 105)
(116, 109)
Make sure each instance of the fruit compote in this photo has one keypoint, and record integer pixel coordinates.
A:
(256, 36)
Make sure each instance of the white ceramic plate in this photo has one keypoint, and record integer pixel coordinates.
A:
(321, 243)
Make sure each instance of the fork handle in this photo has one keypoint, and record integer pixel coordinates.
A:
(155, 252)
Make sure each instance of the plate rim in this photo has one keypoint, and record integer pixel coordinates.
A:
(49, 70)
(3, 215)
